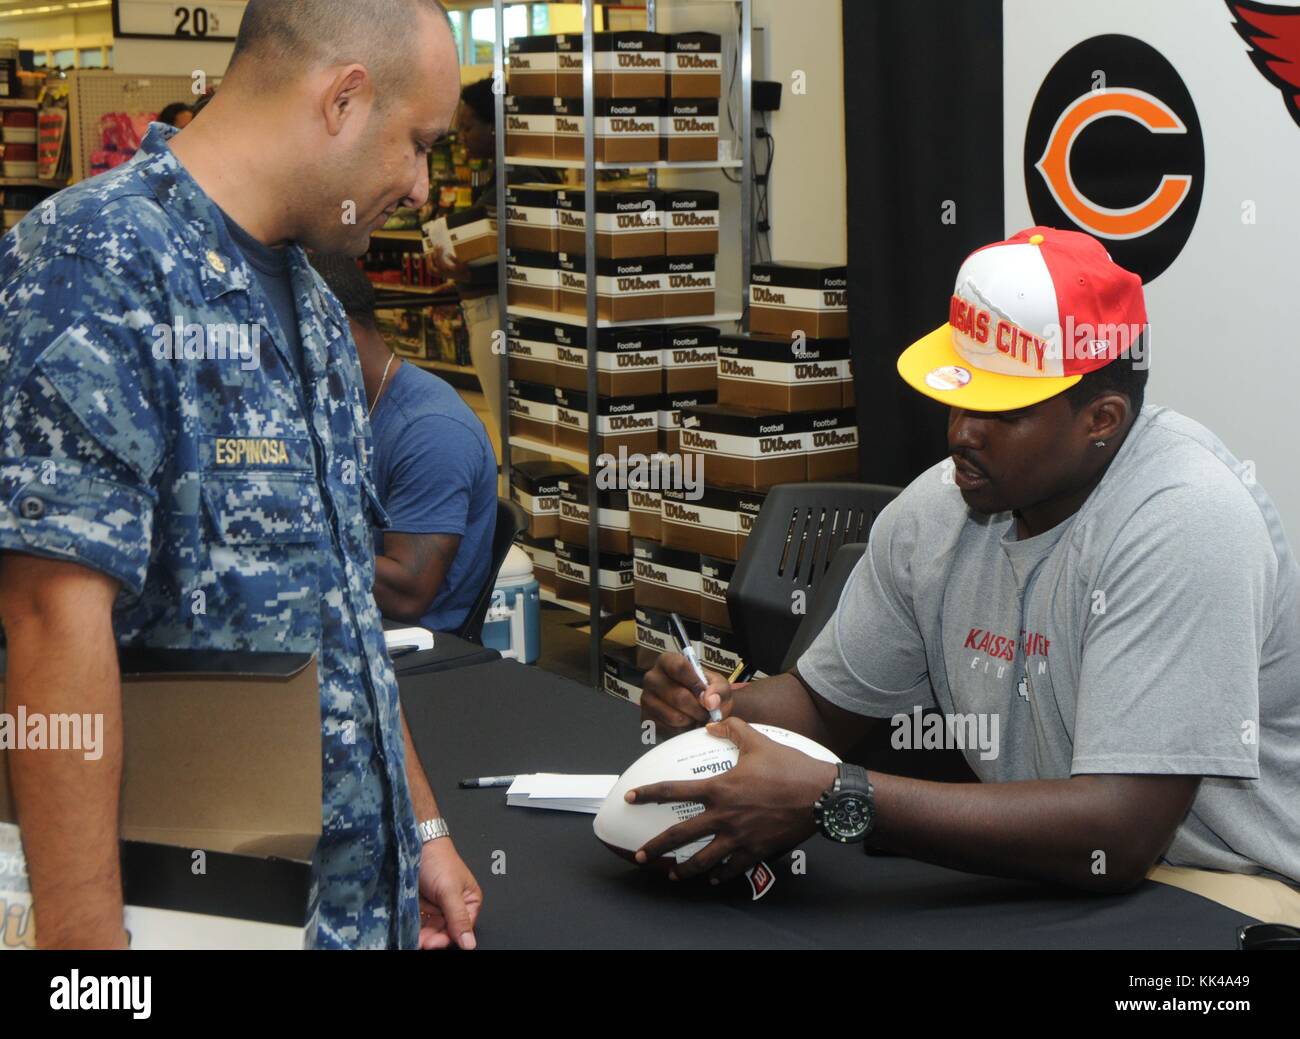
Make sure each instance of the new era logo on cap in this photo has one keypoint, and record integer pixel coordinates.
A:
(1027, 319)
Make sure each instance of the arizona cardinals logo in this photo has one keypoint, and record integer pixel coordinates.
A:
(1273, 34)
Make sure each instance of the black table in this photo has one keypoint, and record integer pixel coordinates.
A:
(549, 884)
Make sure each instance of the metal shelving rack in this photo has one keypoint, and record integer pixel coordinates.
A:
(590, 167)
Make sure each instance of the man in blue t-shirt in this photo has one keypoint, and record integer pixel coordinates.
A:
(434, 469)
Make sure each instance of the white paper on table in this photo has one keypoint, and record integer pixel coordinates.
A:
(420, 638)
(560, 792)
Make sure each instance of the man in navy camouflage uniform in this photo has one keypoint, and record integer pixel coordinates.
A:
(184, 460)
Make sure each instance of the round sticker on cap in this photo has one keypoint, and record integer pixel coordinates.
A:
(950, 377)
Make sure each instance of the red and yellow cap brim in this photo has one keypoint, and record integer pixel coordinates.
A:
(933, 366)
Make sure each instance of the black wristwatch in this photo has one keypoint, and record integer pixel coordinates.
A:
(847, 811)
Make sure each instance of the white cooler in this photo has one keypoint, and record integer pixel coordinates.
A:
(513, 624)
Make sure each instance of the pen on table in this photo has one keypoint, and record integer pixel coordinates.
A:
(688, 651)
(486, 781)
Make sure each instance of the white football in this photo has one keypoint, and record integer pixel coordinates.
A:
(694, 755)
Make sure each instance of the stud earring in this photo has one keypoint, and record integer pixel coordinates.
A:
(1101, 443)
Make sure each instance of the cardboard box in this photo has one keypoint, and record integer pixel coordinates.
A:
(850, 397)
(833, 445)
(614, 522)
(222, 754)
(474, 236)
(542, 552)
(570, 140)
(533, 279)
(532, 66)
(629, 223)
(690, 359)
(715, 579)
(629, 362)
(530, 127)
(667, 579)
(630, 64)
(670, 416)
(573, 576)
(747, 448)
(535, 487)
(695, 64)
(628, 131)
(787, 298)
(622, 678)
(705, 524)
(691, 128)
(571, 284)
(644, 506)
(654, 635)
(691, 285)
(748, 506)
(531, 218)
(720, 649)
(781, 374)
(531, 346)
(627, 423)
(533, 411)
(568, 65)
(692, 223)
(571, 221)
(633, 290)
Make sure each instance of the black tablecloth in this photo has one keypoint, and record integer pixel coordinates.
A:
(548, 883)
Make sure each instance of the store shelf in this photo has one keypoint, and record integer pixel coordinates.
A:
(32, 182)
(578, 164)
(398, 236)
(563, 453)
(577, 607)
(722, 317)
(415, 290)
(19, 102)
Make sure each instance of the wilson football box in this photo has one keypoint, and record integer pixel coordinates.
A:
(790, 298)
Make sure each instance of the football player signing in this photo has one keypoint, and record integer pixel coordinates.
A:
(1098, 580)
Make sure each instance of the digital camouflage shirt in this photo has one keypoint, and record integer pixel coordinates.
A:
(154, 430)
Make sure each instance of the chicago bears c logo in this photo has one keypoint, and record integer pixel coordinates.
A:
(1113, 147)
(1110, 221)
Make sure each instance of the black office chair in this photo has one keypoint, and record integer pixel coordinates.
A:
(823, 602)
(511, 521)
(800, 529)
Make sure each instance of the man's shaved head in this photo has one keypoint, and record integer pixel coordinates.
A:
(280, 39)
(324, 122)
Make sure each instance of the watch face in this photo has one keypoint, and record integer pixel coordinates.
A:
(849, 816)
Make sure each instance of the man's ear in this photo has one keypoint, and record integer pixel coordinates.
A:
(1107, 416)
(347, 92)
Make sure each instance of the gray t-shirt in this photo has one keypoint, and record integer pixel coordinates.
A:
(1156, 631)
